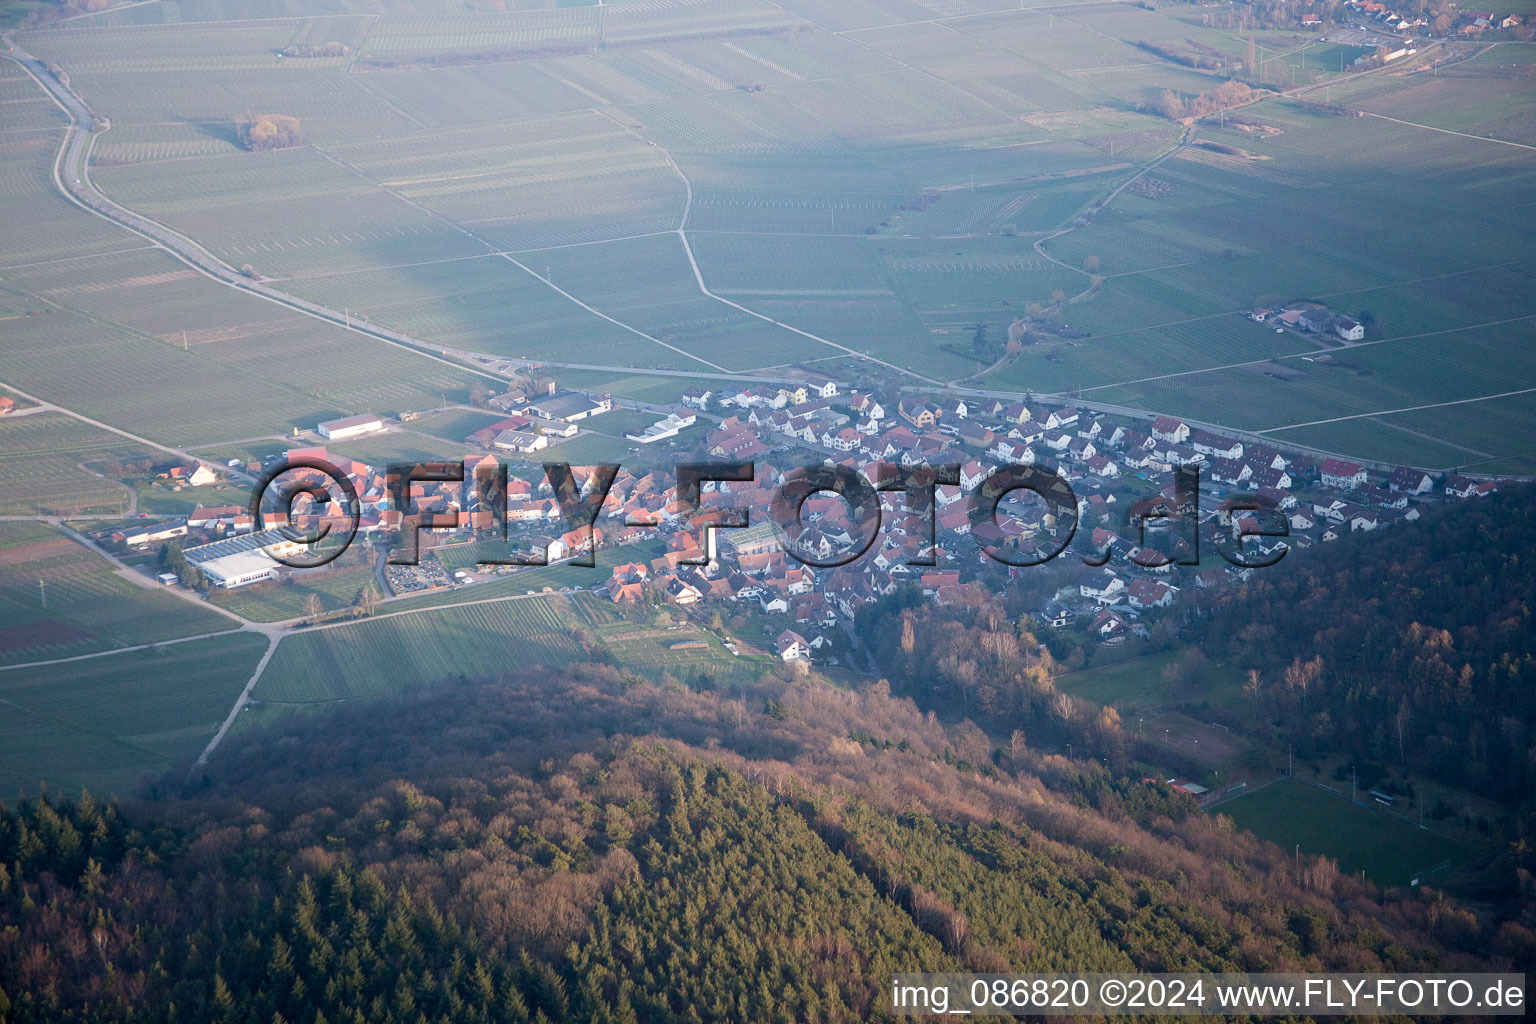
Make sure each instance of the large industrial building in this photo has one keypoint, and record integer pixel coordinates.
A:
(239, 561)
(568, 405)
(349, 426)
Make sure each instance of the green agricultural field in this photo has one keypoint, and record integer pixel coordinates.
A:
(403, 222)
(879, 189)
(1485, 96)
(345, 225)
(1390, 850)
(1385, 439)
(454, 425)
(620, 422)
(41, 225)
(170, 356)
(1137, 689)
(1434, 383)
(113, 329)
(647, 283)
(560, 576)
(465, 304)
(404, 39)
(336, 587)
(208, 75)
(1226, 234)
(1126, 685)
(955, 288)
(119, 718)
(658, 388)
(26, 106)
(162, 500)
(545, 181)
(454, 557)
(652, 650)
(739, 186)
(58, 600)
(393, 652)
(477, 640)
(1052, 365)
(44, 466)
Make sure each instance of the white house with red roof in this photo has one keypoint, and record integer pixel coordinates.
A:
(793, 647)
(1411, 481)
(1344, 476)
(1110, 626)
(1171, 430)
(1143, 594)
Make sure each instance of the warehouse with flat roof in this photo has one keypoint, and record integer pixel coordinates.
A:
(239, 569)
(349, 426)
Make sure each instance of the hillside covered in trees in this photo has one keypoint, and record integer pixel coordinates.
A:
(597, 848)
(1411, 647)
(1408, 652)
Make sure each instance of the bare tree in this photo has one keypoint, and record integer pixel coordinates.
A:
(367, 600)
(1169, 105)
(1300, 675)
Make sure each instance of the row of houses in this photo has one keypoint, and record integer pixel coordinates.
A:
(1385, 16)
(1462, 23)
(813, 387)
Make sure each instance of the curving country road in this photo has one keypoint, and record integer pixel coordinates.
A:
(71, 173)
(72, 177)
